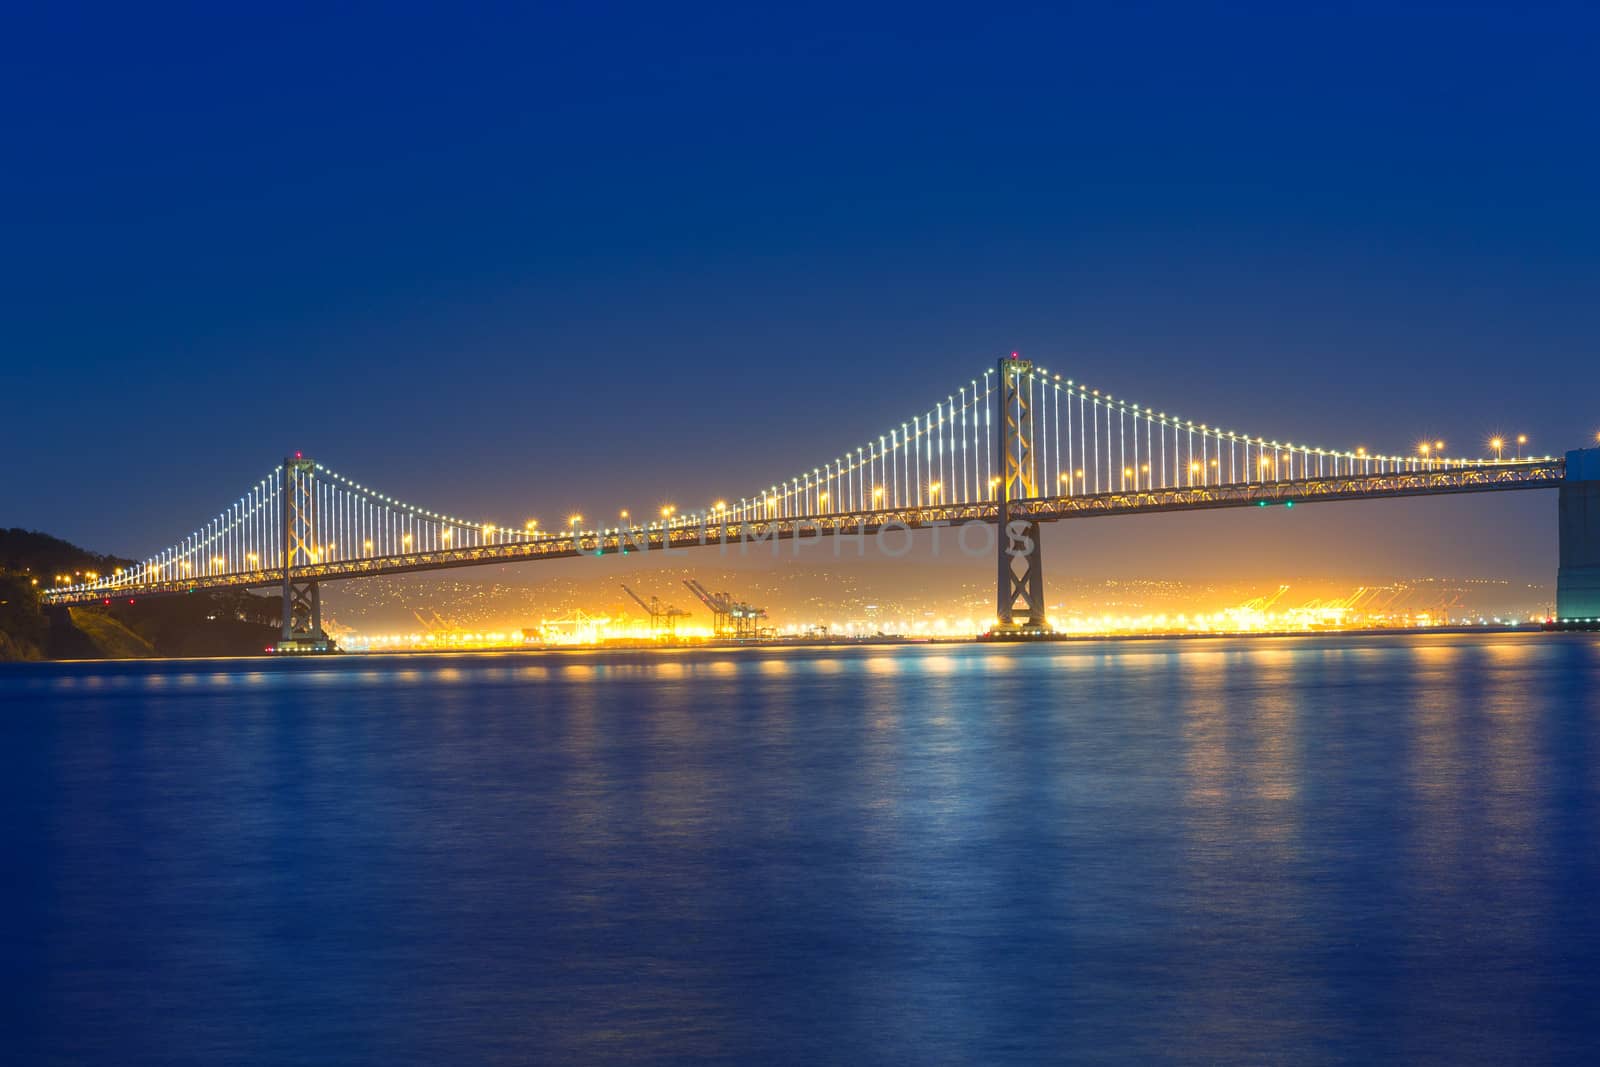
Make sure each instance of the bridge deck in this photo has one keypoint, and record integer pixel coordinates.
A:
(1491, 477)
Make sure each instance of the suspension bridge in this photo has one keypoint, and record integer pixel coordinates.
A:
(1010, 449)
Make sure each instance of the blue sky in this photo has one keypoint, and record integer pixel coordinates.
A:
(544, 258)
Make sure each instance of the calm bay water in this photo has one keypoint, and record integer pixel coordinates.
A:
(1304, 850)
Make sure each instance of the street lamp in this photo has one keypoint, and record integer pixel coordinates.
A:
(1498, 445)
(1522, 439)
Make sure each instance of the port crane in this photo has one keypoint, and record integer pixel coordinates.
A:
(729, 617)
(663, 617)
(435, 624)
(1265, 602)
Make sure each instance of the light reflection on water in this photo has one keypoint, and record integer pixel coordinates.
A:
(1316, 850)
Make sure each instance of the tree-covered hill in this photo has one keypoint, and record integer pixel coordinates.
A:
(227, 623)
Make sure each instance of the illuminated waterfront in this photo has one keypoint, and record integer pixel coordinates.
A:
(599, 631)
(809, 601)
(1325, 849)
(636, 639)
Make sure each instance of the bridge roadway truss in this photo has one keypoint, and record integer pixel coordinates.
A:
(755, 534)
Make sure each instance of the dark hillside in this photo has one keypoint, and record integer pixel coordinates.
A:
(231, 623)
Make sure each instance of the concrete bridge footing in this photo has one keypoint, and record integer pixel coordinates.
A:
(1578, 580)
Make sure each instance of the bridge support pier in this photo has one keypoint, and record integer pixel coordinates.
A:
(302, 600)
(302, 619)
(1020, 608)
(302, 611)
(1578, 580)
(1021, 579)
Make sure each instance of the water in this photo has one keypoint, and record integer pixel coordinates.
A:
(1311, 850)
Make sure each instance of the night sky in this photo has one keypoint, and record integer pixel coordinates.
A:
(526, 261)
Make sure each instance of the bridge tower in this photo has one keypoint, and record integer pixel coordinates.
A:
(1021, 585)
(1578, 580)
(302, 600)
